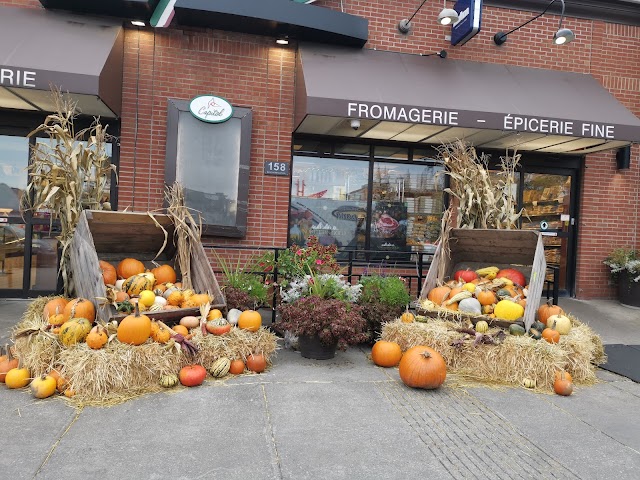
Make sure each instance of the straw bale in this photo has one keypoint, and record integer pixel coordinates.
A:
(237, 343)
(516, 358)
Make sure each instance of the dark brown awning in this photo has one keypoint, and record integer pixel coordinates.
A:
(80, 55)
(413, 98)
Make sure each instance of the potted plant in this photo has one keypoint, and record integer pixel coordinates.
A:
(383, 299)
(624, 265)
(321, 310)
(243, 289)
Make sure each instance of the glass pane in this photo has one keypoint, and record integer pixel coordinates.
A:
(44, 258)
(14, 157)
(425, 154)
(11, 255)
(352, 149)
(329, 200)
(407, 207)
(395, 153)
(208, 166)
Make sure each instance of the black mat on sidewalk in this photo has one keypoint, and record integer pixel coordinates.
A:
(623, 360)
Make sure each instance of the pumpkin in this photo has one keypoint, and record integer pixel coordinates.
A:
(386, 354)
(17, 378)
(220, 367)
(164, 274)
(54, 306)
(407, 317)
(181, 329)
(233, 315)
(548, 309)
(551, 335)
(159, 333)
(482, 326)
(218, 327)
(7, 362)
(74, 331)
(559, 323)
(43, 387)
(97, 338)
(69, 392)
(439, 294)
(465, 275)
(256, 362)
(237, 367)
(250, 320)
(129, 267)
(529, 383)
(508, 310)
(109, 275)
(135, 284)
(80, 308)
(516, 276)
(192, 375)
(486, 297)
(169, 381)
(214, 314)
(563, 386)
(190, 321)
(62, 384)
(470, 305)
(122, 296)
(422, 367)
(567, 375)
(134, 329)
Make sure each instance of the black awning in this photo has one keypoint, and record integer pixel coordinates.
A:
(80, 55)
(275, 17)
(436, 98)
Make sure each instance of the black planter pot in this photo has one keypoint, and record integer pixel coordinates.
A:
(312, 347)
(628, 290)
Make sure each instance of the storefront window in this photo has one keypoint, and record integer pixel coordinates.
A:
(14, 157)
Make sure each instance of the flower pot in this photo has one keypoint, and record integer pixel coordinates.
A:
(628, 290)
(312, 347)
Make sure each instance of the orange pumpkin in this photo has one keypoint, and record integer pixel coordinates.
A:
(7, 362)
(164, 274)
(486, 297)
(562, 385)
(134, 329)
(80, 308)
(97, 338)
(256, 362)
(548, 309)
(386, 354)
(52, 306)
(422, 367)
(159, 333)
(439, 294)
(57, 319)
(566, 375)
(109, 275)
(237, 367)
(129, 267)
(192, 375)
(250, 320)
(181, 329)
(551, 335)
(122, 296)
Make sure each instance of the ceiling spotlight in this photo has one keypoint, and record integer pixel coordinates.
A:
(562, 36)
(447, 16)
(138, 23)
(282, 40)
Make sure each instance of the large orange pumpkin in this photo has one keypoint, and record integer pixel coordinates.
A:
(109, 275)
(134, 329)
(439, 294)
(192, 375)
(80, 308)
(164, 274)
(52, 306)
(129, 267)
(548, 309)
(422, 367)
(250, 320)
(386, 354)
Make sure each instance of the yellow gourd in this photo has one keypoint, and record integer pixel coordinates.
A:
(508, 310)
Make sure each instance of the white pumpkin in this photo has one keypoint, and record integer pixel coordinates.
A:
(233, 315)
(470, 305)
(160, 301)
(559, 323)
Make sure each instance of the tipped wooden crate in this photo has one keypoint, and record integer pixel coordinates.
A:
(114, 236)
(477, 248)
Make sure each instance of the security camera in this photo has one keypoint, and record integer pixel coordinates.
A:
(355, 124)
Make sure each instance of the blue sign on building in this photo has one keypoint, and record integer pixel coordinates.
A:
(469, 20)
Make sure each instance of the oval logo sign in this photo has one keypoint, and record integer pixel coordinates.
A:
(211, 109)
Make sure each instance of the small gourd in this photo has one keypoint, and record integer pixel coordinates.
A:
(535, 333)
(559, 323)
(17, 378)
(138, 283)
(43, 387)
(538, 326)
(57, 319)
(517, 330)
(529, 383)
(482, 326)
(470, 305)
(508, 310)
(74, 331)
(233, 315)
(220, 367)
(407, 317)
(97, 338)
(169, 381)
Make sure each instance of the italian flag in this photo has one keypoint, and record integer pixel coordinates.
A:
(163, 14)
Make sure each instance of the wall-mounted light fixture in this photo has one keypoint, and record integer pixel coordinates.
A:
(441, 54)
(446, 17)
(138, 23)
(282, 40)
(562, 36)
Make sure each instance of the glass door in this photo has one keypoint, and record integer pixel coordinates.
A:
(549, 201)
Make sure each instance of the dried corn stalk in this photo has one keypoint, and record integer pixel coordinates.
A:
(482, 201)
(187, 229)
(68, 174)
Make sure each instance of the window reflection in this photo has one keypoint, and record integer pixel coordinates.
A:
(14, 156)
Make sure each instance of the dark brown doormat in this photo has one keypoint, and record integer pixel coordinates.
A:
(623, 360)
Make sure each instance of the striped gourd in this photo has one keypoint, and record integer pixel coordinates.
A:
(74, 331)
(220, 367)
(168, 381)
(137, 283)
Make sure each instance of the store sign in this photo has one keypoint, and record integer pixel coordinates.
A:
(276, 168)
(15, 77)
(211, 109)
(469, 20)
(398, 113)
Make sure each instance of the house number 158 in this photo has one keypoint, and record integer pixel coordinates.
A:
(276, 168)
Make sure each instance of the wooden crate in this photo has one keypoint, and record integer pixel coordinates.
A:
(477, 248)
(113, 236)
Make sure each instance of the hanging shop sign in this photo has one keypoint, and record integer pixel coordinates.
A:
(210, 109)
(469, 20)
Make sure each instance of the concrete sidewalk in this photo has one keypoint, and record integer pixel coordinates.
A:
(334, 419)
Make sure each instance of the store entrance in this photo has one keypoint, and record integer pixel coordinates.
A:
(549, 200)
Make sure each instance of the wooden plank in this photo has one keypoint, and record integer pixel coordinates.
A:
(170, 317)
(432, 275)
(536, 284)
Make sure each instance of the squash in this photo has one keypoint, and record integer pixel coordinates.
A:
(237, 367)
(386, 354)
(214, 314)
(169, 381)
(422, 367)
(220, 367)
(538, 326)
(486, 297)
(482, 326)
(43, 386)
(190, 321)
(256, 362)
(138, 283)
(233, 315)
(516, 276)
(508, 310)
(559, 323)
(7, 362)
(97, 338)
(196, 300)
(548, 309)
(563, 386)
(218, 327)
(159, 334)
(74, 331)
(134, 329)
(529, 383)
(470, 305)
(535, 334)
(54, 306)
(515, 329)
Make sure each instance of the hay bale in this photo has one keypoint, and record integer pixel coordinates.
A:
(516, 358)
(237, 343)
